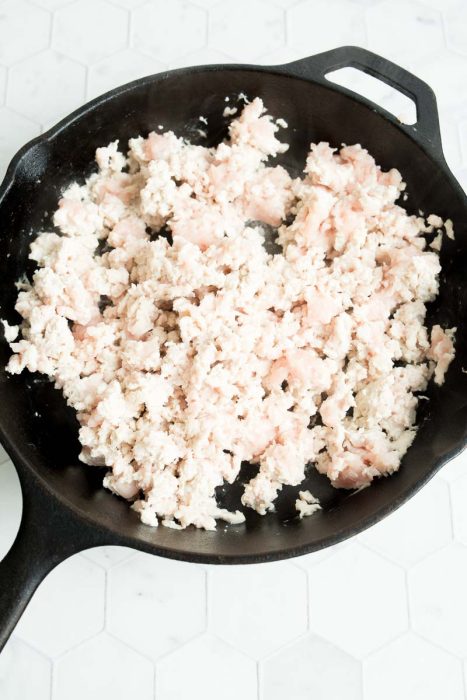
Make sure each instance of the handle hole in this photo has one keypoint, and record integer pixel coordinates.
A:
(375, 90)
(11, 503)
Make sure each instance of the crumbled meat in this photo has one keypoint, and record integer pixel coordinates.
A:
(441, 351)
(306, 504)
(10, 332)
(187, 353)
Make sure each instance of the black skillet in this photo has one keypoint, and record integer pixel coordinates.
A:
(65, 510)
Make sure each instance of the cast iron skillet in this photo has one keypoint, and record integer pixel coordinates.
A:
(65, 510)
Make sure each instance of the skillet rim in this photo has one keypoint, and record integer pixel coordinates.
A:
(25, 465)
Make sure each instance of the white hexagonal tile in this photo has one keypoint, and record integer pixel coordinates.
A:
(451, 140)
(119, 69)
(281, 55)
(437, 598)
(259, 608)
(103, 668)
(181, 28)
(308, 561)
(442, 5)
(286, 4)
(201, 57)
(108, 556)
(206, 668)
(15, 131)
(89, 30)
(51, 4)
(357, 600)
(67, 608)
(46, 87)
(311, 668)
(457, 466)
(455, 21)
(11, 505)
(127, 4)
(412, 669)
(246, 29)
(24, 30)
(420, 527)
(207, 4)
(404, 30)
(445, 73)
(24, 672)
(459, 508)
(156, 604)
(340, 23)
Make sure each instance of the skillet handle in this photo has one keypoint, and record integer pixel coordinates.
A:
(47, 536)
(426, 129)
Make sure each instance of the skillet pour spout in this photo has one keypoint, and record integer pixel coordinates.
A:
(65, 508)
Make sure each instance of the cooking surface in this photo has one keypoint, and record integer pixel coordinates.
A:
(383, 615)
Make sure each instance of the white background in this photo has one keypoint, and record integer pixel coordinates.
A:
(381, 617)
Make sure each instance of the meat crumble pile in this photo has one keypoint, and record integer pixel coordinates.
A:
(186, 348)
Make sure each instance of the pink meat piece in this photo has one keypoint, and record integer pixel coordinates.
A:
(367, 455)
(267, 196)
(255, 130)
(325, 168)
(76, 217)
(312, 219)
(127, 231)
(161, 146)
(441, 350)
(322, 308)
(302, 366)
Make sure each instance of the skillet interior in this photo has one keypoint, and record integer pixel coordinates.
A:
(34, 417)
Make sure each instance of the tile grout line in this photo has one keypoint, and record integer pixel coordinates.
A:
(128, 645)
(444, 31)
(451, 514)
(32, 646)
(52, 679)
(385, 557)
(86, 82)
(63, 654)
(379, 647)
(286, 645)
(106, 599)
(407, 598)
(206, 35)
(129, 27)
(362, 679)
(207, 604)
(437, 645)
(5, 89)
(366, 33)
(51, 29)
(464, 677)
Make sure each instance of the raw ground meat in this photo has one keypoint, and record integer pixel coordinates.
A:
(188, 352)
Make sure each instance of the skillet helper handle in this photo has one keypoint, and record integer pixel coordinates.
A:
(46, 537)
(426, 129)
